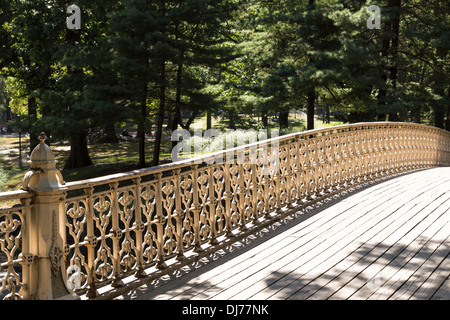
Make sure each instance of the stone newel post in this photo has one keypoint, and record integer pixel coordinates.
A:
(47, 227)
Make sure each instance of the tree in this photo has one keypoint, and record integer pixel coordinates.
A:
(6, 17)
(32, 31)
(306, 50)
(83, 89)
(202, 43)
(140, 45)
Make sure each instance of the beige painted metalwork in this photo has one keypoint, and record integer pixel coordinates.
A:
(125, 224)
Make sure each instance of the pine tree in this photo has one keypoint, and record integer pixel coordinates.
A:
(141, 50)
(6, 16)
(82, 90)
(33, 32)
(201, 39)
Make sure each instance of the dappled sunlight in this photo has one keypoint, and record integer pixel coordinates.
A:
(385, 240)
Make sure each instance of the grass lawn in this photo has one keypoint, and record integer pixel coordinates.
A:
(107, 159)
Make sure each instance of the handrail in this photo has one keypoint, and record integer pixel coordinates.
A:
(182, 211)
(14, 195)
(210, 157)
(134, 222)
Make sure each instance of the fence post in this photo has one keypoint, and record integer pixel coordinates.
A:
(47, 230)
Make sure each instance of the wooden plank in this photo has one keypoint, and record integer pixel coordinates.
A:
(379, 246)
(387, 252)
(443, 293)
(243, 262)
(304, 253)
(370, 227)
(324, 243)
(389, 261)
(351, 266)
(313, 259)
(311, 231)
(422, 254)
(428, 277)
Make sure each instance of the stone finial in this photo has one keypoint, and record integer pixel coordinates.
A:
(43, 174)
(42, 155)
(42, 137)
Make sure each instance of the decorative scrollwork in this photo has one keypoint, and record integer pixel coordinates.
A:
(163, 213)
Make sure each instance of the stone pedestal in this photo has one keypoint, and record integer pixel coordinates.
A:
(47, 225)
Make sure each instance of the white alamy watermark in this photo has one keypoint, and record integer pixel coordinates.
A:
(73, 21)
(74, 277)
(374, 281)
(228, 147)
(374, 21)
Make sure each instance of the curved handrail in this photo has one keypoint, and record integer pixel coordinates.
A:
(210, 157)
(165, 216)
(184, 205)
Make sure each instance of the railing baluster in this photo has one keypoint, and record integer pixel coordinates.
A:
(254, 185)
(27, 257)
(139, 229)
(196, 209)
(241, 197)
(116, 235)
(212, 203)
(227, 195)
(288, 173)
(91, 243)
(178, 214)
(254, 191)
(160, 220)
(265, 171)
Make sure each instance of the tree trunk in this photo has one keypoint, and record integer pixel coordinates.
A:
(311, 95)
(169, 121)
(109, 132)
(232, 121)
(32, 114)
(327, 113)
(447, 124)
(264, 119)
(141, 135)
(381, 97)
(176, 116)
(416, 115)
(8, 112)
(283, 119)
(189, 121)
(160, 117)
(175, 121)
(439, 116)
(310, 109)
(177, 112)
(79, 154)
(389, 51)
(208, 120)
(396, 4)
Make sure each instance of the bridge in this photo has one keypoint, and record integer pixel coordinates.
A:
(356, 211)
(385, 240)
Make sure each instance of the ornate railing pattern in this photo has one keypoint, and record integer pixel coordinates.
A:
(122, 224)
(125, 223)
(15, 244)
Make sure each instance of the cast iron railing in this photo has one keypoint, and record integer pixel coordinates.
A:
(126, 224)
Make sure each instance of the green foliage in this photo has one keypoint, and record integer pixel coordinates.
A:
(139, 61)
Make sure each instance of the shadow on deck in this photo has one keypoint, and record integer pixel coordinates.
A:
(387, 239)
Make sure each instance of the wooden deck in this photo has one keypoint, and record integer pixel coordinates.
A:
(385, 240)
